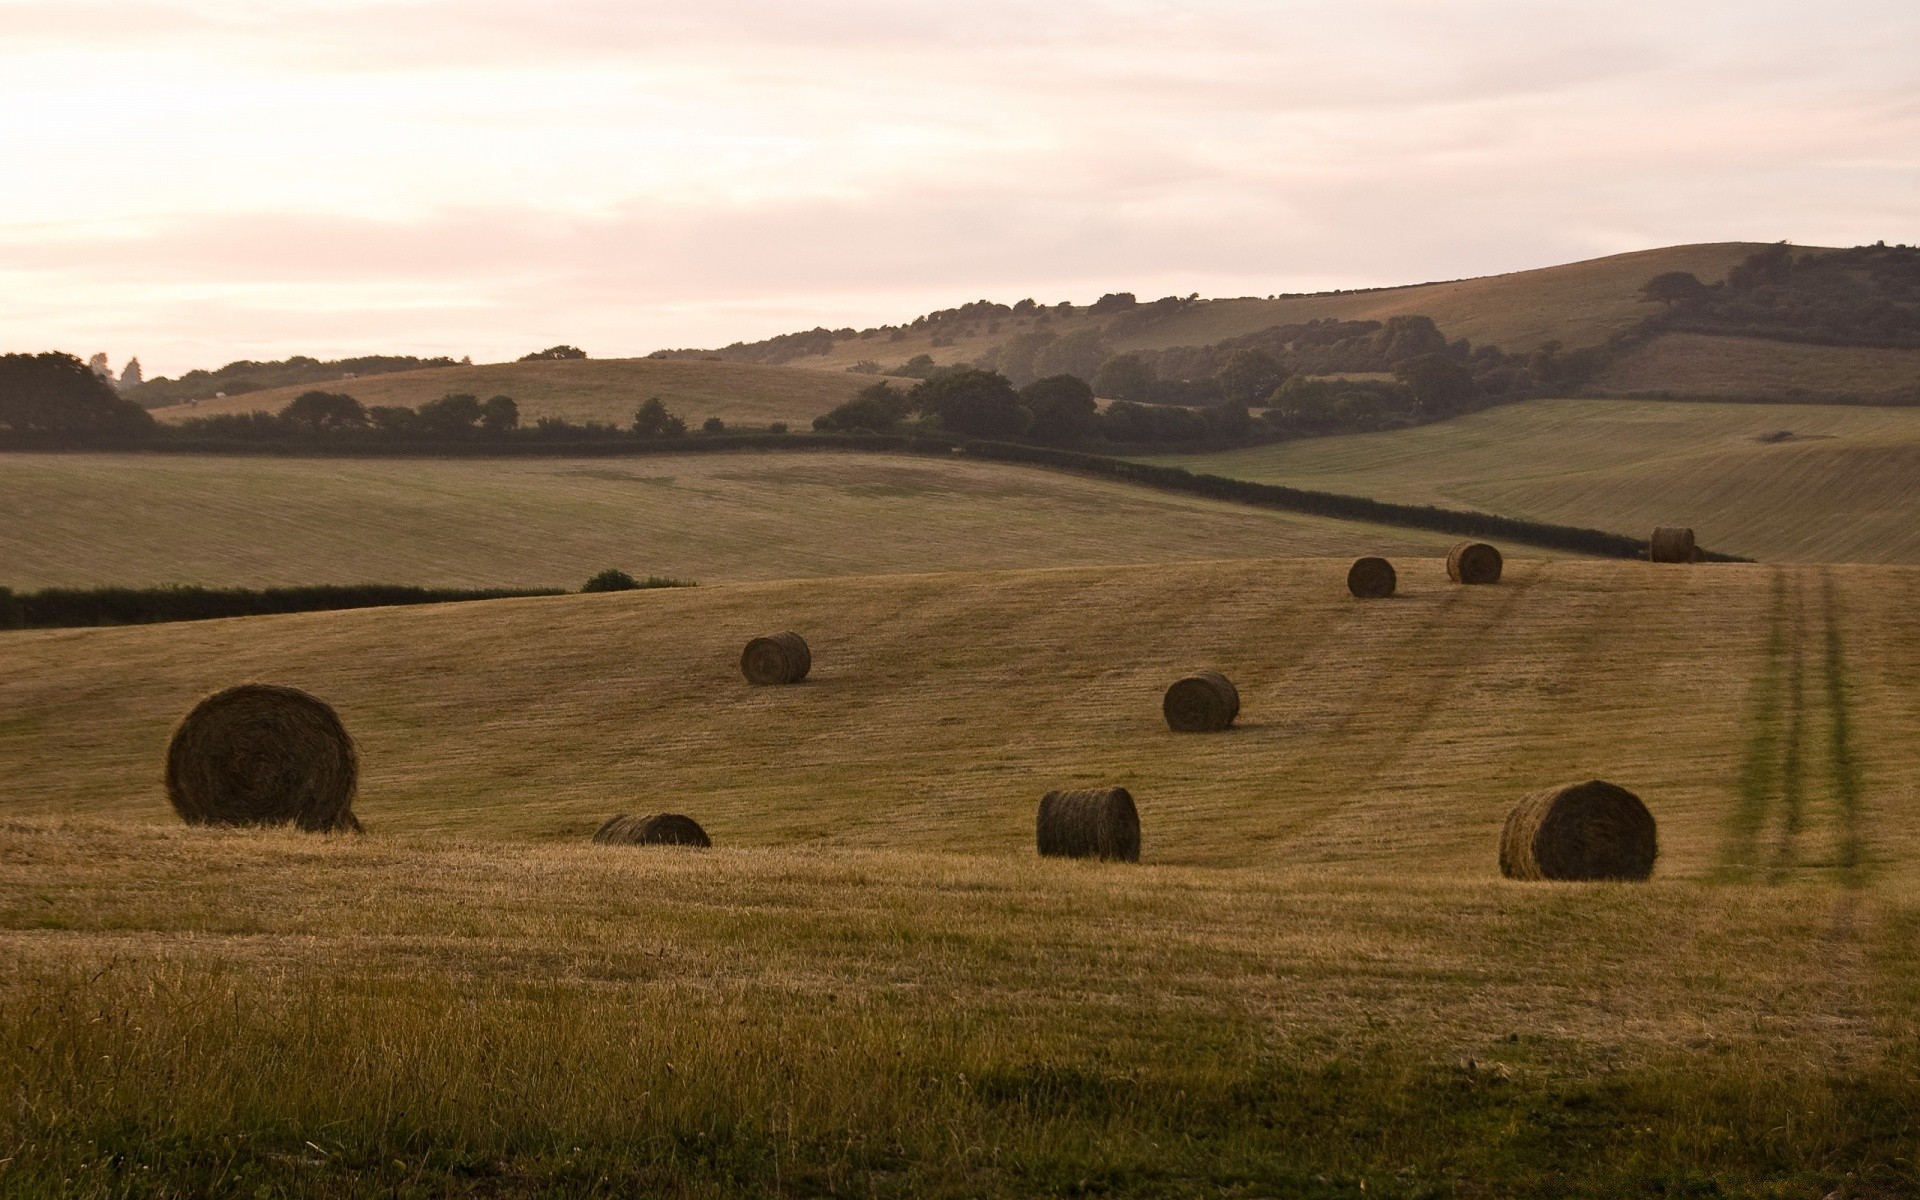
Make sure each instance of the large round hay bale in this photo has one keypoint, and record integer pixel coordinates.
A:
(1372, 578)
(1089, 823)
(1592, 830)
(657, 829)
(1203, 702)
(261, 754)
(1474, 562)
(1672, 544)
(776, 659)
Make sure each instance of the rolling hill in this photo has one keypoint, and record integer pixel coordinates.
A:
(90, 520)
(582, 390)
(1778, 482)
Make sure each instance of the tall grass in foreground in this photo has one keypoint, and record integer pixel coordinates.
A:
(169, 1080)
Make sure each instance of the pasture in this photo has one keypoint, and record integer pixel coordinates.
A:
(1777, 482)
(583, 390)
(1316, 983)
(239, 521)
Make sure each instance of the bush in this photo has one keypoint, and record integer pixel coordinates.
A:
(451, 415)
(321, 412)
(876, 409)
(979, 403)
(777, 427)
(713, 425)
(1063, 408)
(611, 580)
(499, 414)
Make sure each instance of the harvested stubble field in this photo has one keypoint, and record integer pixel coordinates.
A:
(86, 520)
(1316, 984)
(1837, 488)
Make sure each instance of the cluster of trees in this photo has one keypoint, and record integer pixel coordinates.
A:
(1864, 296)
(57, 395)
(554, 354)
(239, 378)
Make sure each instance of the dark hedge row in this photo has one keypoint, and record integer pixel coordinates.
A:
(58, 607)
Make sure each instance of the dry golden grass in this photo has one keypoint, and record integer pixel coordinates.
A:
(581, 390)
(1839, 490)
(117, 519)
(1692, 364)
(872, 986)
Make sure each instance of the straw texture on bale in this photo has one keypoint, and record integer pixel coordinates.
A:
(1371, 578)
(1474, 562)
(1592, 830)
(261, 754)
(1203, 702)
(1670, 544)
(659, 829)
(776, 659)
(1089, 823)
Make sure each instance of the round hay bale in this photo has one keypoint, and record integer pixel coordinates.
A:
(1672, 544)
(1474, 562)
(1371, 578)
(261, 754)
(1203, 702)
(1089, 823)
(778, 658)
(658, 829)
(1592, 830)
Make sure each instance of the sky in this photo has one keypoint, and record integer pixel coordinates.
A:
(197, 182)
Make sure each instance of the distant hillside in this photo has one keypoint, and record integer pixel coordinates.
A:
(1577, 304)
(580, 390)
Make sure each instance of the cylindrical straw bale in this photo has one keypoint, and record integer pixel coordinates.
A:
(261, 754)
(659, 829)
(1592, 830)
(1371, 578)
(1672, 544)
(1203, 702)
(1089, 823)
(776, 659)
(1474, 562)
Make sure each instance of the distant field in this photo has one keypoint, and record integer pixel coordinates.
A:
(101, 519)
(1840, 489)
(580, 390)
(1315, 981)
(1691, 364)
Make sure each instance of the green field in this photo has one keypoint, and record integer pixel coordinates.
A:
(1315, 984)
(90, 520)
(582, 390)
(1839, 489)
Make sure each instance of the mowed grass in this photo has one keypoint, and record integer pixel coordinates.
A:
(582, 390)
(1839, 490)
(1691, 364)
(1316, 984)
(128, 519)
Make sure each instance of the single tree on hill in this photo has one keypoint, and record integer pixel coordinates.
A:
(1125, 377)
(1063, 408)
(980, 403)
(499, 414)
(1674, 287)
(554, 352)
(652, 420)
(318, 412)
(57, 393)
(451, 415)
(1249, 377)
(130, 375)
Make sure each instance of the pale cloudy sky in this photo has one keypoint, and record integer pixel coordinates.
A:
(202, 180)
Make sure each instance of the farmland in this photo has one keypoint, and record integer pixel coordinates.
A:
(128, 519)
(1779, 482)
(1316, 978)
